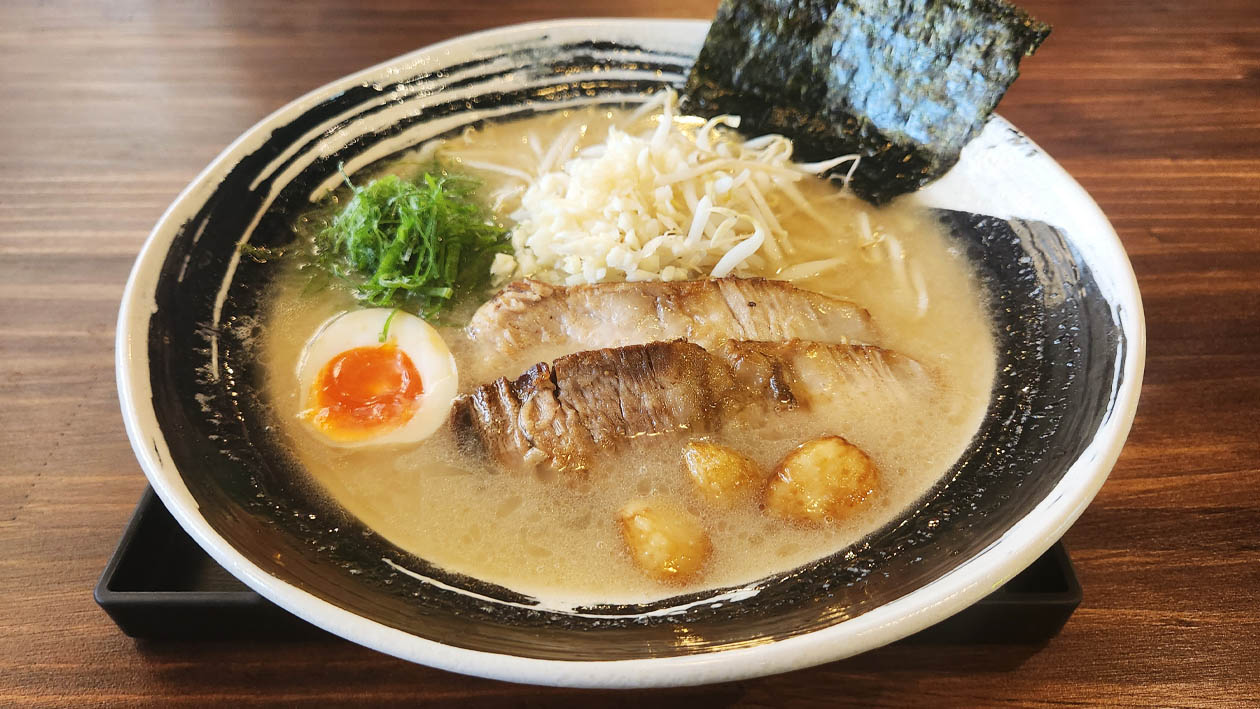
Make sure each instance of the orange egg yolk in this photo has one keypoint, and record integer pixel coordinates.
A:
(364, 392)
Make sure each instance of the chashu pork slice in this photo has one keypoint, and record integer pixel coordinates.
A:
(534, 321)
(567, 415)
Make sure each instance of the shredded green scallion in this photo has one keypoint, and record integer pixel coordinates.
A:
(385, 330)
(412, 244)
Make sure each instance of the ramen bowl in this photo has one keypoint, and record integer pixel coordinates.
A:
(1070, 343)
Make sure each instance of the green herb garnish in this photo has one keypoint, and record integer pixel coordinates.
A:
(385, 330)
(412, 244)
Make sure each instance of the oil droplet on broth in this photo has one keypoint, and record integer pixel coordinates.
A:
(788, 549)
(508, 506)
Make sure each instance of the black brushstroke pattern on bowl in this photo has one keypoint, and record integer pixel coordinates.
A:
(1058, 339)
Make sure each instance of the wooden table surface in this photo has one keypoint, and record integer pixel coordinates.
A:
(108, 109)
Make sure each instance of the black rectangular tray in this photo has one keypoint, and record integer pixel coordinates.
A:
(159, 585)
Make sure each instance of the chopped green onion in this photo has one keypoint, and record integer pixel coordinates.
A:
(412, 244)
(385, 330)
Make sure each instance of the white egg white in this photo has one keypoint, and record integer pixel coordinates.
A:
(413, 336)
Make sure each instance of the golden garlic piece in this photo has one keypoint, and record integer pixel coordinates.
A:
(720, 474)
(665, 541)
(821, 481)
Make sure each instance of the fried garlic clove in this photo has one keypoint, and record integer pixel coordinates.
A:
(720, 474)
(821, 481)
(666, 542)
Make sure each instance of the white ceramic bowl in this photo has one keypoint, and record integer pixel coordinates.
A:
(186, 391)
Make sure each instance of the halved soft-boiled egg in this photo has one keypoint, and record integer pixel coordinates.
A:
(376, 376)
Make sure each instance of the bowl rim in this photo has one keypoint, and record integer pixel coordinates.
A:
(974, 578)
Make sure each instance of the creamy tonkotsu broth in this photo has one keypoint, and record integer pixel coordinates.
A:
(560, 539)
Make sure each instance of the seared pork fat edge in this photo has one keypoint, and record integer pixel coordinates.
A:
(532, 320)
(568, 415)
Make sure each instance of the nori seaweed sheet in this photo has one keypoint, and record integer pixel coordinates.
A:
(904, 83)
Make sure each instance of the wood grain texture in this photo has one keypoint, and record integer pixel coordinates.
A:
(108, 109)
